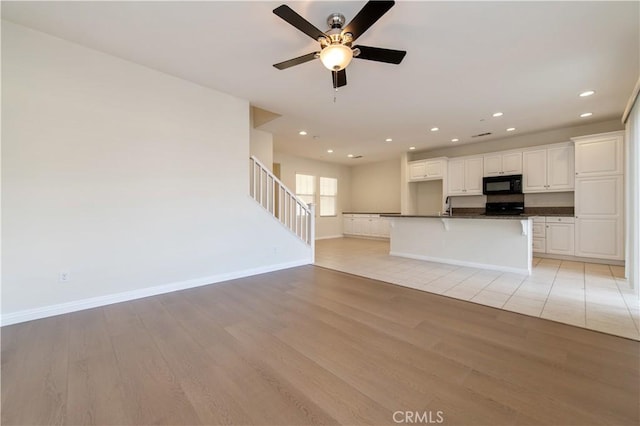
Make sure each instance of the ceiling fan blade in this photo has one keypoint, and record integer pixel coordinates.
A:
(297, 61)
(286, 13)
(379, 54)
(339, 78)
(368, 15)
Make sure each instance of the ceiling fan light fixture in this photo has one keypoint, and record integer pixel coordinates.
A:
(336, 57)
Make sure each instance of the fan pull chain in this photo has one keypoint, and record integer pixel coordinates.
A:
(335, 85)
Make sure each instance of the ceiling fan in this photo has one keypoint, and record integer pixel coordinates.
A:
(336, 50)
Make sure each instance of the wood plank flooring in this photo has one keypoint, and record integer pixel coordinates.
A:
(313, 346)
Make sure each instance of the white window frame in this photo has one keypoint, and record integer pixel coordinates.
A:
(304, 196)
(328, 197)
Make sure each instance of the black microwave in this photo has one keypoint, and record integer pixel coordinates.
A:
(511, 184)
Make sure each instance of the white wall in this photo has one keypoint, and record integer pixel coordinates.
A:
(375, 187)
(326, 227)
(428, 196)
(133, 181)
(632, 181)
(520, 141)
(261, 147)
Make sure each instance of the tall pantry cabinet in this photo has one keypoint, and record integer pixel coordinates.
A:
(599, 192)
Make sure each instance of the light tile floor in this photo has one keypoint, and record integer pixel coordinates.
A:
(587, 295)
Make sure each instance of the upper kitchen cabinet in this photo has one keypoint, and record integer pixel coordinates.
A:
(465, 176)
(431, 169)
(548, 169)
(503, 163)
(599, 155)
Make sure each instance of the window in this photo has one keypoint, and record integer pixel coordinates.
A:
(328, 196)
(306, 191)
(305, 188)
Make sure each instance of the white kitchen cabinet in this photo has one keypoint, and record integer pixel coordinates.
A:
(503, 163)
(539, 234)
(361, 225)
(534, 171)
(427, 169)
(599, 195)
(599, 217)
(560, 168)
(381, 227)
(599, 238)
(465, 176)
(553, 235)
(560, 235)
(599, 155)
(365, 225)
(347, 224)
(548, 169)
(455, 181)
(417, 170)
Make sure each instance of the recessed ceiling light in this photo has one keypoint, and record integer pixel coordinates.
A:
(330, 151)
(434, 129)
(455, 140)
(388, 140)
(511, 129)
(412, 148)
(497, 114)
(302, 133)
(350, 155)
(586, 114)
(587, 93)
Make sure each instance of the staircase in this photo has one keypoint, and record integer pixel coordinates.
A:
(293, 213)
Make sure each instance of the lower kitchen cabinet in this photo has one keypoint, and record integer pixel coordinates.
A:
(554, 235)
(600, 238)
(560, 235)
(539, 235)
(366, 225)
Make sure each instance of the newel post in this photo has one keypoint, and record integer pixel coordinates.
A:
(312, 231)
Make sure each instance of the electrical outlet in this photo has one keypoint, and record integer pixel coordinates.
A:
(64, 276)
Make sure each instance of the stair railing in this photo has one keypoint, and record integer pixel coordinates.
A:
(281, 202)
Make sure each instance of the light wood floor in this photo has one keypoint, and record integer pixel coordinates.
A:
(312, 346)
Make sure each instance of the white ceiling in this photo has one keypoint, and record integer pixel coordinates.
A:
(465, 61)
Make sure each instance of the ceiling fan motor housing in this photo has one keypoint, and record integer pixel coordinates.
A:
(336, 20)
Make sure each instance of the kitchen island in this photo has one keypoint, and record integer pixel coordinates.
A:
(501, 243)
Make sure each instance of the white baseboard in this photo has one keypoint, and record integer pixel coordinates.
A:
(579, 259)
(521, 271)
(94, 302)
(329, 237)
(366, 237)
